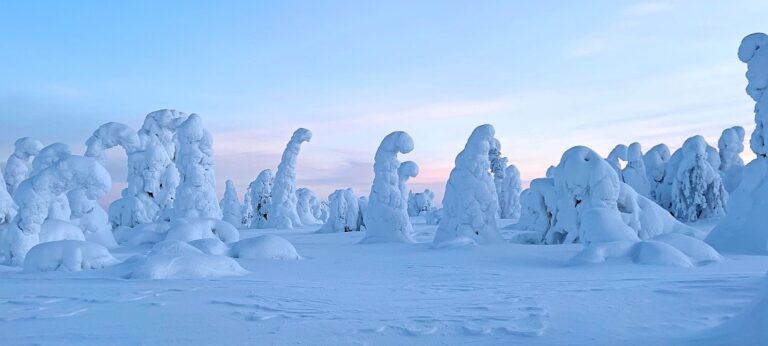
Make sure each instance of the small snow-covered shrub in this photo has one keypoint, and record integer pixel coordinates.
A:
(420, 203)
(258, 200)
(697, 191)
(386, 218)
(538, 209)
(344, 213)
(230, 206)
(172, 259)
(308, 207)
(268, 246)
(282, 213)
(67, 255)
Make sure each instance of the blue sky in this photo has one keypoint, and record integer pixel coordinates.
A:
(547, 74)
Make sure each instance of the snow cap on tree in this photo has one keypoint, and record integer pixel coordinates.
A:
(634, 173)
(470, 203)
(386, 218)
(230, 205)
(283, 212)
(406, 171)
(110, 135)
(754, 52)
(18, 167)
(618, 154)
(697, 191)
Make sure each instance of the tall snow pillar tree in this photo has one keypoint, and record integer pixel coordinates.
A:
(196, 194)
(283, 212)
(470, 203)
(743, 230)
(386, 218)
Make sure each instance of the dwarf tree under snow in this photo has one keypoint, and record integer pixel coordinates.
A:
(743, 230)
(283, 212)
(386, 218)
(308, 207)
(344, 213)
(655, 161)
(19, 164)
(509, 196)
(420, 203)
(730, 145)
(634, 173)
(230, 205)
(258, 200)
(36, 194)
(697, 191)
(470, 203)
(196, 194)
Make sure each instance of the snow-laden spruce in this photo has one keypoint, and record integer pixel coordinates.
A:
(697, 191)
(743, 229)
(616, 156)
(282, 213)
(258, 200)
(730, 146)
(470, 203)
(36, 195)
(420, 203)
(509, 196)
(196, 194)
(498, 166)
(634, 173)
(386, 217)
(159, 129)
(655, 161)
(308, 207)
(19, 165)
(230, 205)
(405, 172)
(344, 213)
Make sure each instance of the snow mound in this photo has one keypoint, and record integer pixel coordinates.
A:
(173, 259)
(659, 253)
(270, 247)
(67, 255)
(211, 246)
(54, 230)
(147, 233)
(188, 229)
(674, 250)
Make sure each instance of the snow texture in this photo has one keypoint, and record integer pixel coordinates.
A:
(509, 195)
(35, 196)
(308, 207)
(231, 207)
(344, 214)
(258, 200)
(386, 217)
(730, 146)
(634, 173)
(174, 259)
(18, 166)
(697, 191)
(67, 255)
(470, 203)
(746, 328)
(268, 247)
(282, 213)
(196, 194)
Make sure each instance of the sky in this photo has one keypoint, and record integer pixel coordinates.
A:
(548, 75)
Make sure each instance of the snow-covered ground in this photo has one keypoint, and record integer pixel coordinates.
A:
(342, 293)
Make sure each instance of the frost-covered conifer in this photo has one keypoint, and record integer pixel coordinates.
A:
(308, 207)
(283, 212)
(19, 164)
(230, 205)
(656, 167)
(498, 166)
(344, 212)
(697, 191)
(196, 194)
(259, 195)
(730, 145)
(420, 203)
(634, 173)
(470, 203)
(509, 201)
(386, 218)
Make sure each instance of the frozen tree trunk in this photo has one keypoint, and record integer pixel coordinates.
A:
(344, 213)
(260, 197)
(283, 211)
(196, 194)
(634, 174)
(509, 201)
(230, 206)
(386, 218)
(18, 167)
(698, 191)
(470, 203)
(730, 145)
(308, 207)
(36, 194)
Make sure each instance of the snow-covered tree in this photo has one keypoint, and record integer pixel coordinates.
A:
(656, 167)
(386, 218)
(308, 207)
(405, 172)
(618, 154)
(509, 196)
(110, 135)
(259, 200)
(730, 145)
(196, 194)
(698, 190)
(344, 212)
(50, 155)
(230, 205)
(35, 195)
(470, 203)
(8, 208)
(743, 229)
(420, 203)
(634, 173)
(18, 167)
(538, 209)
(498, 166)
(283, 212)
(159, 129)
